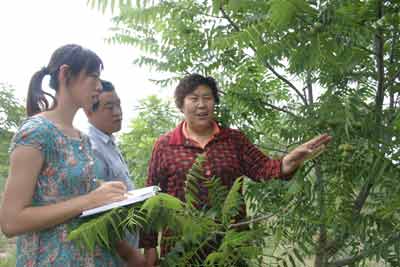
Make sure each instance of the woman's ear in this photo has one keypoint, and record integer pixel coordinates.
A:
(64, 74)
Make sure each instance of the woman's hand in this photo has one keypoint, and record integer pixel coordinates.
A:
(106, 193)
(303, 152)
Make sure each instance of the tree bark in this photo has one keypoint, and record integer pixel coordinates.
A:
(321, 255)
(380, 69)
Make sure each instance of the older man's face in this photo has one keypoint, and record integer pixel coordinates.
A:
(108, 116)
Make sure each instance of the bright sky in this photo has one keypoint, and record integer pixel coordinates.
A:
(32, 30)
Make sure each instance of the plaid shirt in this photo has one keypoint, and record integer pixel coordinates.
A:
(228, 155)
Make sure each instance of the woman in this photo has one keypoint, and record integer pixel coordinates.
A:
(51, 177)
(228, 153)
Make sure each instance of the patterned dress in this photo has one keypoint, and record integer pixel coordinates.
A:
(67, 172)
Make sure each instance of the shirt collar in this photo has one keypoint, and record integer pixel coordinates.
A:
(179, 136)
(105, 138)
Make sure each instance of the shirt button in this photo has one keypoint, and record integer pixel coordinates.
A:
(80, 147)
(208, 172)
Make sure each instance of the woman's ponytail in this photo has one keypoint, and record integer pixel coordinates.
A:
(36, 101)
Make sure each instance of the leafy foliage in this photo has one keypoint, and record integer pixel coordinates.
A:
(11, 114)
(154, 118)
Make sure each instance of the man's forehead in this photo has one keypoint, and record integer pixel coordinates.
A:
(108, 96)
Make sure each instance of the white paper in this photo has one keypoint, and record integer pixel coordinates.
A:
(133, 196)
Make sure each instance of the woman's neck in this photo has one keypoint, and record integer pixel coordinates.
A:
(200, 132)
(63, 114)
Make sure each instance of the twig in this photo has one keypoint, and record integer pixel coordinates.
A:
(365, 253)
(256, 220)
(272, 106)
(320, 257)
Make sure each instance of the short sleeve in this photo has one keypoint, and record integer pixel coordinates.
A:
(33, 133)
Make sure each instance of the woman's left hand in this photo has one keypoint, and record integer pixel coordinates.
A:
(303, 152)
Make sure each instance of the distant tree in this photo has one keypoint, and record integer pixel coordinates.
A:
(154, 117)
(290, 69)
(11, 114)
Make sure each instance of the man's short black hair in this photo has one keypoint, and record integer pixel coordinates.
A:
(107, 86)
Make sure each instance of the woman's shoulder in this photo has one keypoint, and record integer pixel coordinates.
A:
(32, 131)
(164, 139)
(35, 123)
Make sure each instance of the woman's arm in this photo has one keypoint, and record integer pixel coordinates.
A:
(17, 216)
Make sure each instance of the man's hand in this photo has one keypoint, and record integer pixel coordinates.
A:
(131, 256)
(151, 257)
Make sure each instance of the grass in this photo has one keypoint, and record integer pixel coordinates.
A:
(8, 261)
(8, 248)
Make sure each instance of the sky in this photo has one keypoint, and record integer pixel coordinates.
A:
(32, 30)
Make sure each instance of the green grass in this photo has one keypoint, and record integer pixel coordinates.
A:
(8, 246)
(9, 261)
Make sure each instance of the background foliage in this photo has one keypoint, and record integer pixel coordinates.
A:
(155, 117)
(11, 114)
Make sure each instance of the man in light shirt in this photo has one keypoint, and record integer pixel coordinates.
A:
(104, 120)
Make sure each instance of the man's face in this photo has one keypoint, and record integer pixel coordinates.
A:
(108, 116)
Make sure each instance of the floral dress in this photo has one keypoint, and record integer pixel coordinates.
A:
(67, 172)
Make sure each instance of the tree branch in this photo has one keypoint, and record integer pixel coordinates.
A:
(258, 219)
(391, 61)
(359, 202)
(321, 257)
(365, 253)
(379, 54)
(309, 89)
(279, 109)
(266, 64)
(255, 220)
(272, 106)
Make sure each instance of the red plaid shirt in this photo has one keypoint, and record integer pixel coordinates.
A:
(228, 155)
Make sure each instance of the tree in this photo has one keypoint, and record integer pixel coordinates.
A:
(290, 69)
(11, 114)
(154, 117)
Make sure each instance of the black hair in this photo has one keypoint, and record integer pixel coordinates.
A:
(76, 57)
(107, 86)
(189, 84)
